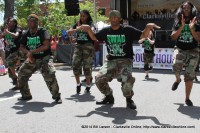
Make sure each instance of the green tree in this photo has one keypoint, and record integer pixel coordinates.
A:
(52, 15)
(24, 8)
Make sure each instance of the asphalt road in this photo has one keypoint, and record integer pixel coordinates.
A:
(158, 108)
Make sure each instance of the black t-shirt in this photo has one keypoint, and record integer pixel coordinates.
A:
(148, 47)
(14, 43)
(32, 42)
(119, 42)
(186, 41)
(82, 37)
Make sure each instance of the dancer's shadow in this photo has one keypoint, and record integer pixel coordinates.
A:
(84, 84)
(151, 79)
(24, 107)
(196, 82)
(63, 68)
(192, 111)
(120, 115)
(86, 97)
(9, 93)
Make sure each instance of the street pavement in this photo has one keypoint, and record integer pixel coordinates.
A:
(159, 109)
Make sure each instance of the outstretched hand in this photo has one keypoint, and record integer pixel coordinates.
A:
(193, 22)
(83, 27)
(151, 26)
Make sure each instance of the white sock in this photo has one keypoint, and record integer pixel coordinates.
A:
(88, 86)
(79, 84)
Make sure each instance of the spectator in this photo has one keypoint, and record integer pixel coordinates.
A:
(2, 51)
(2, 67)
(54, 42)
(97, 54)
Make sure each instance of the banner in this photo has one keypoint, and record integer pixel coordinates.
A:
(157, 9)
(163, 58)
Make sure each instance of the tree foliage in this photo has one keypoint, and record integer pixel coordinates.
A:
(2, 5)
(52, 15)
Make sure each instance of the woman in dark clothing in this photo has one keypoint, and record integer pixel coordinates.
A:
(83, 52)
(186, 33)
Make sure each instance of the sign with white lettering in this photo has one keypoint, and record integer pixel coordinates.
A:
(162, 60)
(154, 9)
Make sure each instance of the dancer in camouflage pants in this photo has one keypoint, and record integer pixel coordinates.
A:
(45, 65)
(35, 43)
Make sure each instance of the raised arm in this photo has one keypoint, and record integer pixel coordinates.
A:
(87, 29)
(175, 34)
(91, 34)
(151, 41)
(195, 34)
(148, 28)
(13, 35)
(141, 40)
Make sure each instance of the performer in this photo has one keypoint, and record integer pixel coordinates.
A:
(186, 33)
(36, 44)
(83, 52)
(118, 39)
(148, 44)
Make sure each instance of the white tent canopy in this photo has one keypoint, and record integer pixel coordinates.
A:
(100, 25)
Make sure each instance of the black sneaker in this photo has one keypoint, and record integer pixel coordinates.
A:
(15, 88)
(58, 100)
(147, 76)
(107, 99)
(188, 102)
(196, 79)
(87, 89)
(130, 103)
(175, 85)
(78, 89)
(25, 98)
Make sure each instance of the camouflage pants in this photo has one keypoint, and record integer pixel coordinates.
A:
(148, 58)
(22, 56)
(11, 62)
(188, 59)
(83, 56)
(120, 69)
(47, 69)
(197, 68)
